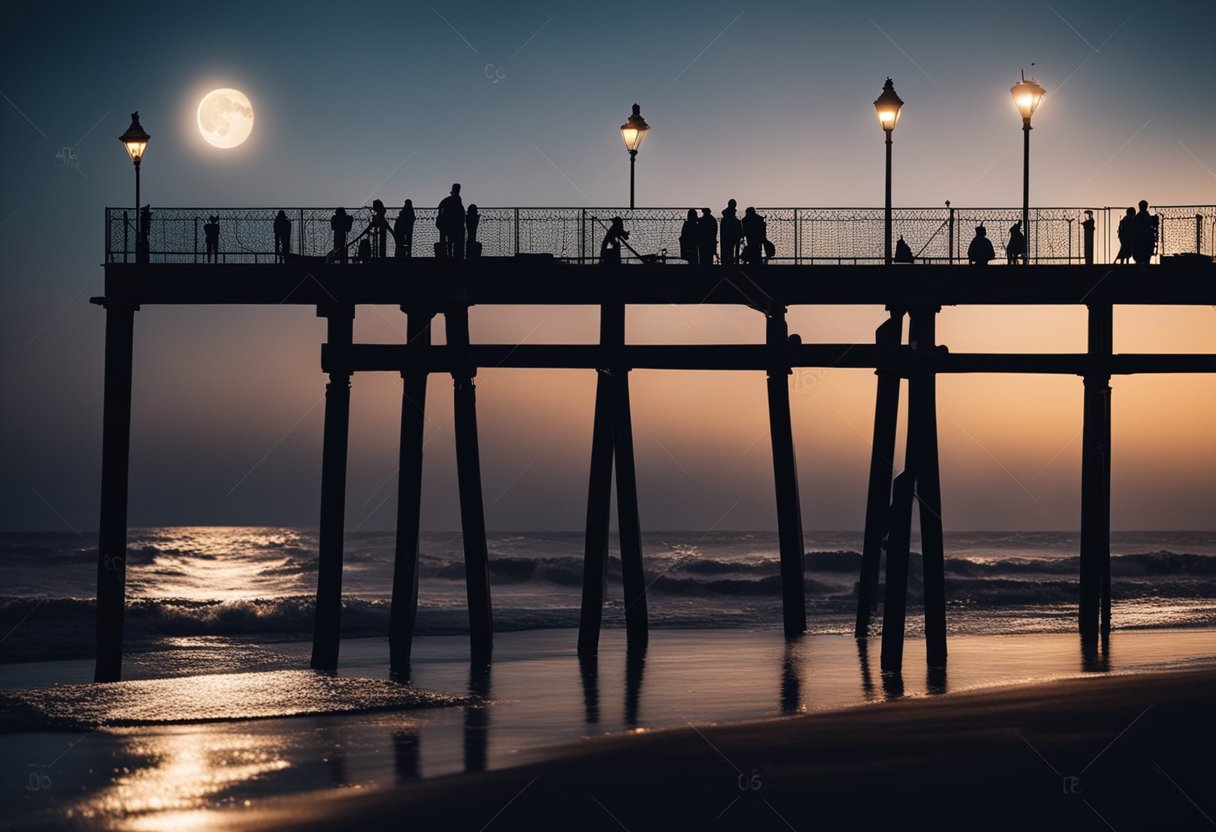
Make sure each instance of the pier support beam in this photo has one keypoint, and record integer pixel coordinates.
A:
(115, 459)
(468, 474)
(628, 524)
(1095, 479)
(599, 513)
(895, 601)
(922, 430)
(328, 623)
(878, 501)
(612, 439)
(404, 611)
(785, 475)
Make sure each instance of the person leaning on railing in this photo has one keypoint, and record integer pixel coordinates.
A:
(610, 248)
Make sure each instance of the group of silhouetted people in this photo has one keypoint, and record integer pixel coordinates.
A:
(457, 231)
(980, 252)
(742, 240)
(1138, 232)
(734, 239)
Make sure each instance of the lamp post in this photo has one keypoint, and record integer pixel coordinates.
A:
(136, 141)
(1026, 97)
(888, 106)
(633, 132)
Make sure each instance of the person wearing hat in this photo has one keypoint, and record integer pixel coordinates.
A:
(980, 251)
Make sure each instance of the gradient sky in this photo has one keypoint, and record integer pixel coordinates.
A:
(770, 103)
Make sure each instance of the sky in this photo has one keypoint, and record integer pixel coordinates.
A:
(767, 102)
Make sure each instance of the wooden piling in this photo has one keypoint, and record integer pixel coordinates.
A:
(882, 456)
(1094, 607)
(404, 610)
(115, 459)
(895, 599)
(785, 475)
(628, 524)
(599, 512)
(922, 429)
(468, 473)
(328, 623)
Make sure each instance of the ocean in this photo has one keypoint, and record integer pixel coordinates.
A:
(256, 584)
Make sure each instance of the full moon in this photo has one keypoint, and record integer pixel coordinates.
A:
(225, 117)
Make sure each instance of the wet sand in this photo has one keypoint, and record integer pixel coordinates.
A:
(537, 704)
(1129, 752)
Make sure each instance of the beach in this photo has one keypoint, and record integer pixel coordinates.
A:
(283, 746)
(1129, 752)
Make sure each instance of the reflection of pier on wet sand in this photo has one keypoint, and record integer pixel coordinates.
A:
(1133, 749)
(426, 288)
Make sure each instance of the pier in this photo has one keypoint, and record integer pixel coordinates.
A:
(547, 257)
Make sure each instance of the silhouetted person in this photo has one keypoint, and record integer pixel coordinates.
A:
(610, 248)
(980, 251)
(1127, 236)
(688, 238)
(732, 233)
(1145, 240)
(341, 224)
(903, 254)
(143, 229)
(450, 222)
(471, 220)
(282, 236)
(707, 237)
(403, 229)
(755, 232)
(211, 232)
(1015, 249)
(363, 251)
(379, 229)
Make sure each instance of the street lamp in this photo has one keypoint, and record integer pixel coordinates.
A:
(1026, 97)
(136, 142)
(633, 132)
(888, 106)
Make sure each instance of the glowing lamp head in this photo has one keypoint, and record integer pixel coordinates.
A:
(888, 106)
(634, 130)
(1026, 97)
(135, 139)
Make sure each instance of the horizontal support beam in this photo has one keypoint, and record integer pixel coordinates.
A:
(439, 359)
(539, 280)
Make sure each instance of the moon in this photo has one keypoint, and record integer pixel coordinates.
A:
(225, 117)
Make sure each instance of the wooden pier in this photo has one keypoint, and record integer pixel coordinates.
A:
(424, 288)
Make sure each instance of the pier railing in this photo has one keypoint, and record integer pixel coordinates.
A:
(837, 236)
